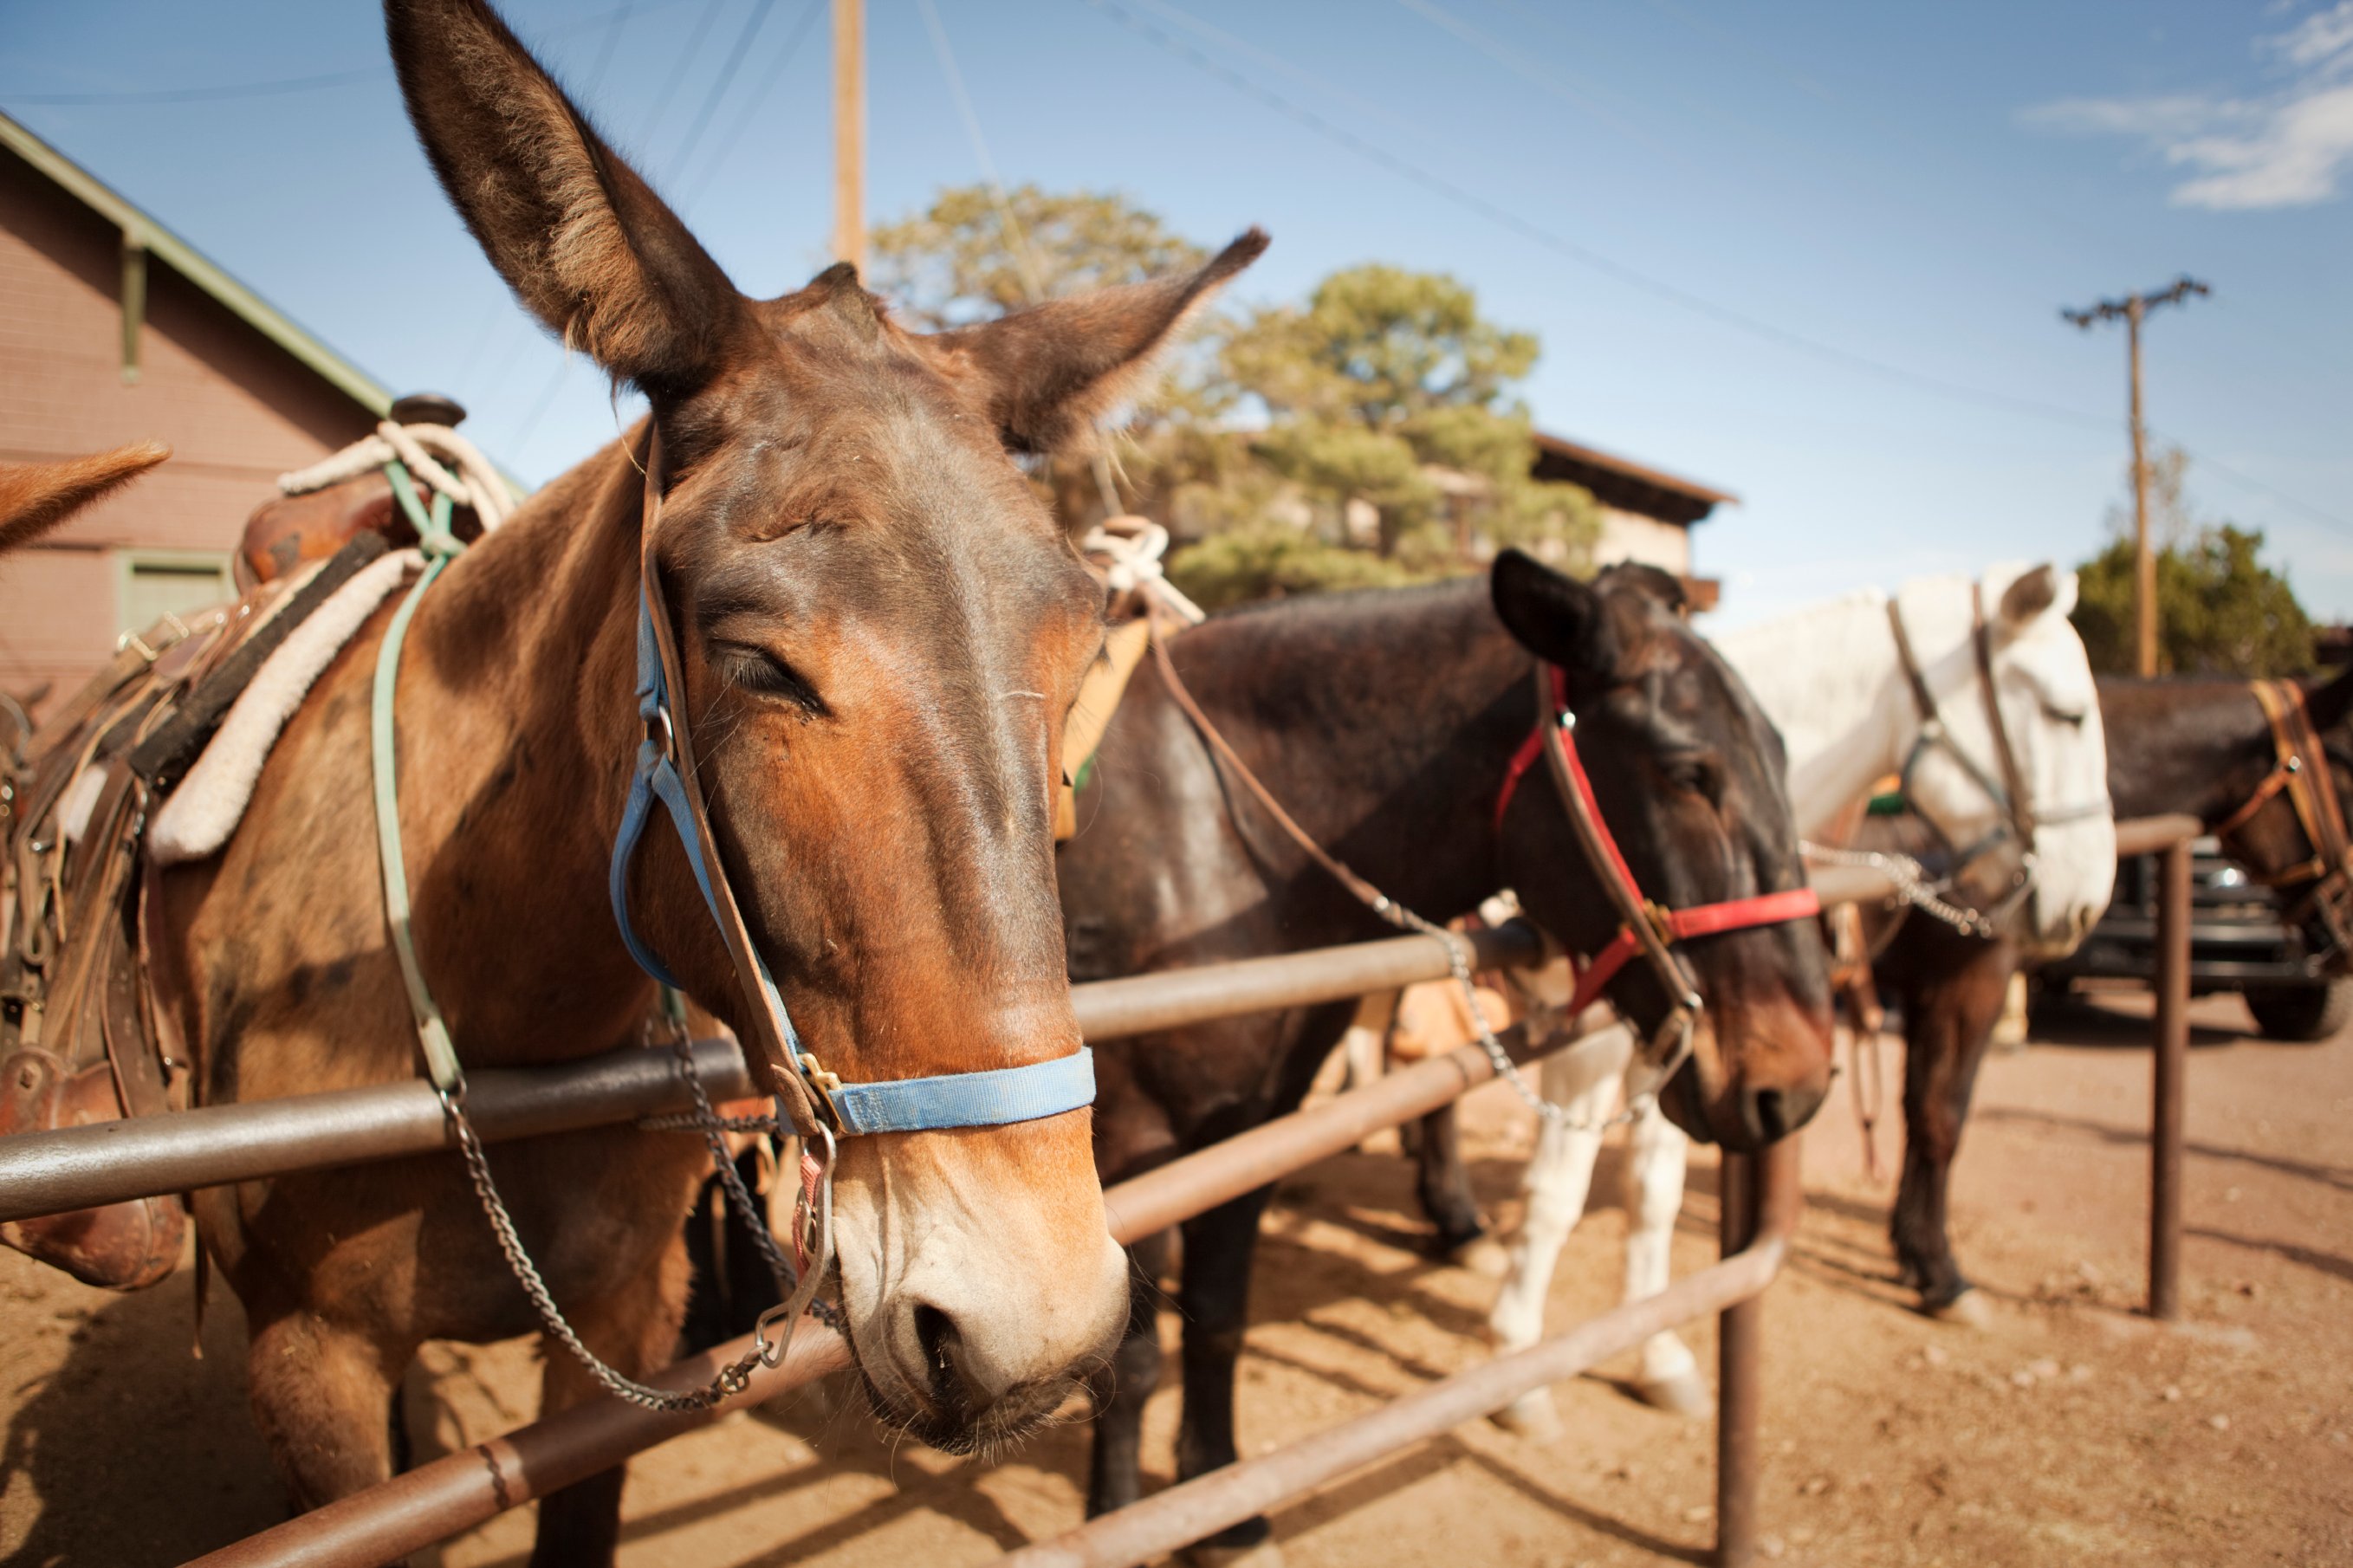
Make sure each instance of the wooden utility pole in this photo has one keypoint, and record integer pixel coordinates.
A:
(2132, 310)
(849, 132)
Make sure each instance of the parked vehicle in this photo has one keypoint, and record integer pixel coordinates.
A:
(2239, 941)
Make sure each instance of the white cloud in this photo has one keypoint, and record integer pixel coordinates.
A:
(2288, 147)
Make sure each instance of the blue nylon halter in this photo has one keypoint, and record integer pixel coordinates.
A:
(987, 1098)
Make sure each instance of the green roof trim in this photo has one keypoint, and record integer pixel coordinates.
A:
(163, 245)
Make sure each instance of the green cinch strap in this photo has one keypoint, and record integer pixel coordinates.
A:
(441, 547)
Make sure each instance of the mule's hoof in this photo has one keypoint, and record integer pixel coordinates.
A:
(1483, 1255)
(1969, 1310)
(1265, 1554)
(1531, 1417)
(1683, 1395)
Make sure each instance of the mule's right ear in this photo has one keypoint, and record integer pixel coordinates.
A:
(37, 497)
(2330, 703)
(1552, 614)
(582, 241)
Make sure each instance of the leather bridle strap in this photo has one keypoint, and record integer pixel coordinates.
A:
(2016, 801)
(1645, 927)
(808, 1095)
(2003, 792)
(2302, 770)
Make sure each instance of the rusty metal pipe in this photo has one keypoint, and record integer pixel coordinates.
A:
(82, 1167)
(1168, 1520)
(2171, 1070)
(2149, 835)
(436, 1501)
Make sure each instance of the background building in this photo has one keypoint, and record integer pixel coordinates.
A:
(1647, 514)
(112, 330)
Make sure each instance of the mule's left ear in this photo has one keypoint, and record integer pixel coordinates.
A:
(1048, 372)
(1552, 614)
(2035, 593)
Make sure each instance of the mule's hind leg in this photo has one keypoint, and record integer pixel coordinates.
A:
(321, 1393)
(1557, 1181)
(634, 1330)
(1670, 1377)
(1121, 1389)
(1215, 1300)
(1443, 1186)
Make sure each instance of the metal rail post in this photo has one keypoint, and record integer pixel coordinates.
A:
(1754, 1188)
(2172, 1066)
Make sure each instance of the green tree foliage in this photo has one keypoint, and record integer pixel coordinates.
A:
(1388, 388)
(2219, 610)
(1270, 440)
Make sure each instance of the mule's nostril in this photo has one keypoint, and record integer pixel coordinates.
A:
(935, 1333)
(1769, 1114)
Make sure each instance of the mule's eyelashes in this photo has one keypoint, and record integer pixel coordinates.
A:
(760, 670)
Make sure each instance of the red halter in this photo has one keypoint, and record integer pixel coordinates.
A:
(1658, 927)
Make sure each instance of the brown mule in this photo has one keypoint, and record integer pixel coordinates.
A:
(882, 631)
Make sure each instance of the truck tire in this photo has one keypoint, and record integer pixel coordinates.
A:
(2301, 1013)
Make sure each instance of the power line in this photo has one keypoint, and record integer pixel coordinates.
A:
(727, 70)
(277, 86)
(211, 94)
(767, 80)
(1582, 254)
(677, 72)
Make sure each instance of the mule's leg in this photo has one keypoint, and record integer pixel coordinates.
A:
(1556, 1182)
(1948, 1021)
(634, 1330)
(1121, 1390)
(1215, 1300)
(1670, 1377)
(321, 1394)
(1443, 1185)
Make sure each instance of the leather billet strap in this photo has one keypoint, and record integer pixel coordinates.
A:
(808, 1095)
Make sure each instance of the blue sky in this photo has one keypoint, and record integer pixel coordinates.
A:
(1813, 254)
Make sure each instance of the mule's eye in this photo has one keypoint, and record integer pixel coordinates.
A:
(757, 670)
(1696, 775)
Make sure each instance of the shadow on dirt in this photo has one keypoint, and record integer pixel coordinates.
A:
(136, 1451)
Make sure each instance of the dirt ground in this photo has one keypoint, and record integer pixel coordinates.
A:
(2071, 1430)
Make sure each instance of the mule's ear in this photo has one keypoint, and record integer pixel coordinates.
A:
(1048, 372)
(2032, 594)
(2329, 704)
(1552, 614)
(582, 241)
(37, 497)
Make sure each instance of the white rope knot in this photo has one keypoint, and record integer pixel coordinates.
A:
(429, 453)
(1130, 549)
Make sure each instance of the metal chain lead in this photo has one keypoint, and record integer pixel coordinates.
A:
(732, 1379)
(1911, 882)
(1458, 962)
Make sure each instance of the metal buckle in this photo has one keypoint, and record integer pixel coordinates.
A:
(823, 1085)
(1662, 920)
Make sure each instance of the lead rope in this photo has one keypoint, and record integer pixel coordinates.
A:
(1458, 952)
(815, 1213)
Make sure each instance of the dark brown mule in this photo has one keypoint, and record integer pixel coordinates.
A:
(2190, 744)
(1386, 723)
(882, 631)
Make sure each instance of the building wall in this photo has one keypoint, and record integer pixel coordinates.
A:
(1629, 536)
(236, 411)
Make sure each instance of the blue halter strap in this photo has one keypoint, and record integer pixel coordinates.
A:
(987, 1098)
